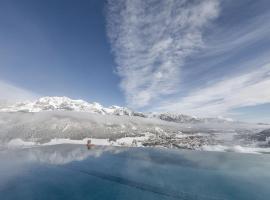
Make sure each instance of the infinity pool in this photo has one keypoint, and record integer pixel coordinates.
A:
(74, 172)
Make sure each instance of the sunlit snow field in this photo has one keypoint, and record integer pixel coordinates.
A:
(71, 171)
(21, 129)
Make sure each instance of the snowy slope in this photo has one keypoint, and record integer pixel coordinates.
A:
(67, 104)
(50, 118)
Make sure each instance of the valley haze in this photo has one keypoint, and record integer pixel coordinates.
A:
(55, 120)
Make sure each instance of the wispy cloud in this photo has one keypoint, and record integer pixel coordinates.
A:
(234, 38)
(151, 40)
(219, 98)
(10, 93)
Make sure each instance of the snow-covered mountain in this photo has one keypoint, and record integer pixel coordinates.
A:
(67, 104)
(178, 118)
(50, 118)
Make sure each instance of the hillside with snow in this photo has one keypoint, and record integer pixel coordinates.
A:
(51, 119)
(64, 104)
(67, 104)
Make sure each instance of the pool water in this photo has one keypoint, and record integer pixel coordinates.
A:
(74, 172)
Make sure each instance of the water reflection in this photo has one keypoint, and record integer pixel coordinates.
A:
(63, 154)
(74, 171)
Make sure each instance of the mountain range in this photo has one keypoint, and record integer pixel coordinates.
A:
(50, 119)
(67, 104)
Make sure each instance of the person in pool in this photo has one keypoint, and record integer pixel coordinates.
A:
(89, 145)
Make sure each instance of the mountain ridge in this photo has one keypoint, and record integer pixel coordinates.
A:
(67, 104)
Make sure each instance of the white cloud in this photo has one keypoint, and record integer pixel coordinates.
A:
(151, 39)
(11, 93)
(235, 38)
(219, 98)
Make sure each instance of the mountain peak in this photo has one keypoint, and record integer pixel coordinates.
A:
(48, 103)
(67, 104)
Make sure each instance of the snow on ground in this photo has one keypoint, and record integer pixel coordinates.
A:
(126, 141)
(131, 142)
(20, 143)
(56, 141)
(24, 130)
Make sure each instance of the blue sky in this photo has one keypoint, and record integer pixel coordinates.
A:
(58, 48)
(204, 58)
